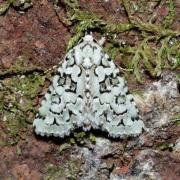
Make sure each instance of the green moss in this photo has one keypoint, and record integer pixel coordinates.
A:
(178, 76)
(7, 143)
(21, 67)
(28, 85)
(79, 135)
(85, 21)
(173, 53)
(161, 54)
(165, 147)
(82, 138)
(171, 14)
(72, 7)
(138, 92)
(72, 141)
(18, 150)
(18, 90)
(54, 172)
(5, 6)
(176, 119)
(68, 170)
(74, 167)
(22, 4)
(64, 147)
(92, 138)
(18, 4)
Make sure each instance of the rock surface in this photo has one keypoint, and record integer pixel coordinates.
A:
(32, 34)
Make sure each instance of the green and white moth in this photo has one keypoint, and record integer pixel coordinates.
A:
(88, 91)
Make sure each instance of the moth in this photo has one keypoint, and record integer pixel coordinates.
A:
(88, 91)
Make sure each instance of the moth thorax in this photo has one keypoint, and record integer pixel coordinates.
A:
(87, 63)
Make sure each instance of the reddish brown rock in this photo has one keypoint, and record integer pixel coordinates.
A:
(23, 172)
(36, 149)
(6, 61)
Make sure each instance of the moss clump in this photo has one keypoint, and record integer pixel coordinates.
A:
(18, 91)
(74, 167)
(21, 67)
(176, 120)
(138, 92)
(79, 135)
(22, 4)
(166, 147)
(83, 138)
(171, 14)
(63, 147)
(18, 4)
(54, 172)
(69, 170)
(5, 6)
(92, 138)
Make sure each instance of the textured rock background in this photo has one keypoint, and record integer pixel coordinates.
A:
(33, 38)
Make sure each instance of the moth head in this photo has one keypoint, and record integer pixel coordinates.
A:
(88, 38)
